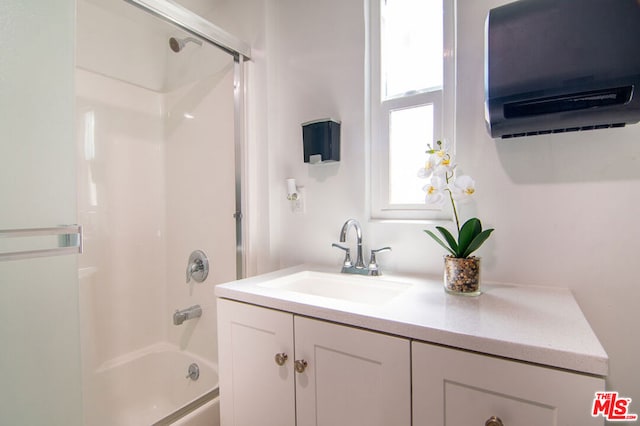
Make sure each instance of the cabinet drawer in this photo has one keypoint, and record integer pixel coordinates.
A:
(466, 405)
(457, 388)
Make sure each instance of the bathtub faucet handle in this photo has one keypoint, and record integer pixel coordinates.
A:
(193, 268)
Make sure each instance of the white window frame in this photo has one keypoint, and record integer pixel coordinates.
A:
(379, 110)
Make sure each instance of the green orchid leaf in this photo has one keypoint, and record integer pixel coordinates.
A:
(468, 232)
(449, 238)
(477, 242)
(439, 241)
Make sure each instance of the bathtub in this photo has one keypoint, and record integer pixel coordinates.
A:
(150, 387)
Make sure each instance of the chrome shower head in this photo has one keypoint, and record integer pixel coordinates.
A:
(177, 44)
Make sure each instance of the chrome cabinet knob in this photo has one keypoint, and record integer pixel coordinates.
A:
(281, 358)
(493, 421)
(300, 365)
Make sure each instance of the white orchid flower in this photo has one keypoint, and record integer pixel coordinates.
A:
(440, 158)
(429, 167)
(441, 148)
(462, 187)
(435, 191)
(445, 166)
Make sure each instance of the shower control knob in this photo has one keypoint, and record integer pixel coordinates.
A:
(281, 358)
(197, 266)
(300, 365)
(493, 421)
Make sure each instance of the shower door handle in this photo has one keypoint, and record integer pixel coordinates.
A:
(69, 242)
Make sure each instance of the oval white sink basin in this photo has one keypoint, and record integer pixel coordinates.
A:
(353, 288)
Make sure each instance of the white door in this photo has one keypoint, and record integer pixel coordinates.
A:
(457, 388)
(39, 326)
(352, 377)
(254, 388)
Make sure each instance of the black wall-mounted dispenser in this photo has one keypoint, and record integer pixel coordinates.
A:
(553, 66)
(321, 141)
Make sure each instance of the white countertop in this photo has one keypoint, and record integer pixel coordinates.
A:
(542, 325)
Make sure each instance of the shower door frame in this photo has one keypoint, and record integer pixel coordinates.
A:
(241, 52)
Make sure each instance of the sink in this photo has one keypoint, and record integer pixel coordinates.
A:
(352, 288)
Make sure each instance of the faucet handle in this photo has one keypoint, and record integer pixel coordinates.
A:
(197, 266)
(347, 263)
(373, 263)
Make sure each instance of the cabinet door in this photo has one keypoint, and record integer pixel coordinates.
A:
(457, 388)
(353, 377)
(254, 389)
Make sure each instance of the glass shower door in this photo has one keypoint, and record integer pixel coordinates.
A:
(39, 326)
(156, 181)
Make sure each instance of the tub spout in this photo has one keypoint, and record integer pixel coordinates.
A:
(180, 316)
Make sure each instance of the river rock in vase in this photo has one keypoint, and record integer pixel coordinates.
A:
(462, 275)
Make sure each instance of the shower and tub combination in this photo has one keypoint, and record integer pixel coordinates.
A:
(158, 113)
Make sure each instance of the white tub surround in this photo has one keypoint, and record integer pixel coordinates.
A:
(147, 386)
(538, 325)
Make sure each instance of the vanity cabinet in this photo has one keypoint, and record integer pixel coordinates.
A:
(281, 369)
(458, 388)
(412, 355)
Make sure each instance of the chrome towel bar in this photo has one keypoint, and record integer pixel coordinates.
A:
(69, 242)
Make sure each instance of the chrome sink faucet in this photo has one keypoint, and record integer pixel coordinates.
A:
(359, 268)
(352, 223)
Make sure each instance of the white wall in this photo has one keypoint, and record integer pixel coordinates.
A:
(564, 206)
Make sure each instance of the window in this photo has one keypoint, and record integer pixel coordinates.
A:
(411, 95)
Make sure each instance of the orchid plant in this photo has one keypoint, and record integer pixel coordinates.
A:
(445, 186)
